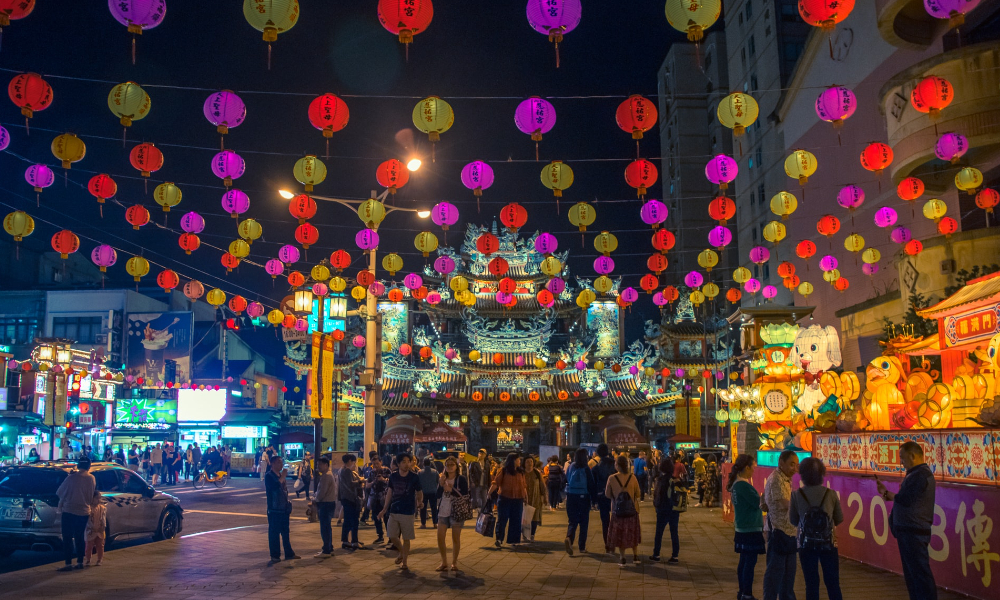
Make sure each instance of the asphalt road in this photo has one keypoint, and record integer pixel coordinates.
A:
(240, 504)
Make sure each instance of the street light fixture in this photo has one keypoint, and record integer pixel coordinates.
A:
(413, 164)
(46, 352)
(302, 302)
(63, 356)
(286, 194)
(338, 307)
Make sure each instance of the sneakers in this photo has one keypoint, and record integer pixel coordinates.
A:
(654, 558)
(347, 547)
(322, 554)
(569, 546)
(673, 559)
(293, 557)
(379, 540)
(98, 563)
(273, 561)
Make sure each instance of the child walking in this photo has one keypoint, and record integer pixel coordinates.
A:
(96, 527)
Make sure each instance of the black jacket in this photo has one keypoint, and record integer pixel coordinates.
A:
(277, 494)
(913, 505)
(605, 468)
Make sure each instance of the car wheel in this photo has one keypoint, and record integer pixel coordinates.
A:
(170, 525)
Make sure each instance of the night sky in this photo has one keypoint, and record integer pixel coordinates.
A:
(482, 57)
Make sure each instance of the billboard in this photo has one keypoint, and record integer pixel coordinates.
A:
(147, 410)
(200, 405)
(159, 346)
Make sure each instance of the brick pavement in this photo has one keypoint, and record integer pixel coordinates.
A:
(231, 564)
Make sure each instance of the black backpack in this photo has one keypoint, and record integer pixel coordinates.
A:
(816, 526)
(624, 506)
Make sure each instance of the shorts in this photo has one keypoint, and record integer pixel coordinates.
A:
(449, 523)
(401, 527)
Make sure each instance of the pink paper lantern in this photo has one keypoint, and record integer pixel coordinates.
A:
(752, 286)
(451, 354)
(366, 239)
(834, 104)
(274, 267)
(679, 373)
(953, 10)
(4, 138)
(227, 165)
(141, 14)
(769, 291)
(477, 176)
(869, 268)
(721, 170)
(828, 263)
(376, 289)
(320, 289)
(235, 202)
(433, 298)
(658, 299)
(192, 222)
(886, 217)
(405, 349)
(546, 243)
(850, 197)
(630, 295)
(503, 298)
(554, 16)
(556, 286)
(301, 324)
(535, 116)
(720, 236)
(413, 281)
(760, 255)
(224, 110)
(39, 176)
(104, 256)
(694, 279)
(444, 264)
(444, 214)
(255, 309)
(653, 212)
(951, 147)
(288, 254)
(901, 235)
(603, 265)
(581, 365)
(519, 360)
(358, 341)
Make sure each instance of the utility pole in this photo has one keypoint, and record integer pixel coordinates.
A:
(318, 420)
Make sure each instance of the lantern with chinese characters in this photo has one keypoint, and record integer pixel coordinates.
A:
(104, 256)
(551, 266)
(443, 264)
(554, 18)
(366, 239)
(167, 279)
(4, 138)
(784, 204)
(693, 17)
(934, 209)
(189, 242)
(759, 255)
(605, 243)
(805, 288)
(235, 202)
(546, 243)
(146, 158)
(129, 103)
(302, 207)
(800, 164)
(850, 197)
(671, 294)
(636, 115)
(534, 116)
(138, 15)
(239, 248)
(340, 260)
(513, 216)
(18, 224)
(137, 216)
(653, 212)
(775, 231)
(194, 290)
(722, 209)
(836, 103)
(477, 176)
(487, 244)
(910, 189)
(557, 176)
(229, 261)
(656, 263)
(854, 243)
(828, 263)
(227, 166)
(951, 147)
(876, 157)
(900, 235)
(582, 215)
(39, 177)
(224, 109)
(720, 237)
(969, 179)
(271, 17)
(769, 292)
(329, 114)
(433, 116)
(697, 297)
(947, 226)
(694, 279)
(721, 170)
(825, 14)
(663, 240)
(426, 242)
(737, 111)
(828, 225)
(603, 265)
(102, 187)
(498, 266)
(137, 267)
(805, 250)
(707, 259)
(371, 212)
(640, 174)
(913, 247)
(68, 149)
(886, 216)
(29, 92)
(13, 10)
(987, 199)
(405, 18)
(953, 10)
(931, 95)
(871, 256)
(306, 235)
(734, 295)
(413, 281)
(250, 230)
(786, 269)
(444, 214)
(309, 171)
(741, 274)
(168, 195)
(274, 267)
(392, 174)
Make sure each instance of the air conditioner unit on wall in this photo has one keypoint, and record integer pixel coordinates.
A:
(947, 267)
(101, 338)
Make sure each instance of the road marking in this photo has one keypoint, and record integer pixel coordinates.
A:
(207, 491)
(237, 514)
(217, 530)
(248, 494)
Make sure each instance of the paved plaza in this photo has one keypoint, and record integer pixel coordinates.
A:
(232, 563)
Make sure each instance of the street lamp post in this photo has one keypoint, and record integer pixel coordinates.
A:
(303, 300)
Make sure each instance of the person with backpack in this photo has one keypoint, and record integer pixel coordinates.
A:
(815, 510)
(581, 490)
(623, 490)
(555, 480)
(604, 469)
(669, 501)
(779, 575)
(748, 541)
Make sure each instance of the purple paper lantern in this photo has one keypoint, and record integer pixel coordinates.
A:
(444, 214)
(951, 147)
(603, 265)
(828, 263)
(39, 176)
(104, 256)
(886, 217)
(4, 138)
(721, 170)
(274, 267)
(255, 309)
(630, 295)
(444, 264)
(288, 254)
(949, 9)
(901, 235)
(556, 286)
(836, 104)
(759, 255)
(477, 176)
(850, 197)
(653, 212)
(358, 341)
(227, 166)
(413, 281)
(869, 268)
(581, 365)
(433, 298)
(235, 202)
(679, 373)
(224, 110)
(546, 243)
(301, 324)
(554, 16)
(519, 360)
(366, 239)
(752, 285)
(376, 289)
(535, 116)
(658, 299)
(694, 279)
(769, 292)
(320, 289)
(141, 14)
(192, 222)
(720, 236)
(503, 298)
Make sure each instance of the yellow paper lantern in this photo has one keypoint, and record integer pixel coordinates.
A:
(871, 256)
(468, 298)
(137, 267)
(458, 284)
(309, 171)
(784, 204)
(338, 284)
(831, 275)
(582, 215)
(934, 209)
(474, 355)
(319, 273)
(540, 363)
(775, 231)
(275, 317)
(551, 266)
(426, 242)
(271, 17)
(217, 298)
(128, 102)
(605, 243)
(697, 297)
(167, 195)
(800, 164)
(239, 248)
(586, 297)
(737, 111)
(854, 243)
(392, 263)
(557, 176)
(742, 275)
(433, 116)
(69, 149)
(250, 230)
(967, 180)
(805, 288)
(710, 290)
(19, 224)
(708, 259)
(359, 292)
(693, 17)
(371, 212)
(603, 284)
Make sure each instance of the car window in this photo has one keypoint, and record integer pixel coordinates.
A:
(107, 481)
(131, 483)
(30, 482)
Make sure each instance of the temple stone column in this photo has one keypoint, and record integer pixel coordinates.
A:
(545, 428)
(585, 428)
(475, 430)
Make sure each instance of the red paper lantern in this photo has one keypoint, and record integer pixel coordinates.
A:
(29, 92)
(876, 156)
(507, 285)
(137, 216)
(365, 278)
(230, 262)
(657, 263)
(786, 269)
(913, 247)
(328, 113)
(722, 209)
(237, 304)
(338, 335)
(296, 279)
(65, 242)
(340, 260)
(513, 216)
(395, 295)
(828, 225)
(545, 297)
(147, 158)
(560, 364)
(947, 226)
(931, 95)
(498, 266)
(167, 279)
(792, 282)
(640, 174)
(825, 14)
(405, 18)
(306, 235)
(420, 293)
(910, 189)
(392, 174)
(671, 293)
(987, 199)
(497, 358)
(733, 295)
(426, 353)
(487, 244)
(288, 322)
(302, 207)
(636, 115)
(805, 249)
(663, 240)
(189, 242)
(841, 284)
(649, 282)
(102, 187)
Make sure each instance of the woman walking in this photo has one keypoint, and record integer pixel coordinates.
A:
(454, 487)
(555, 479)
(509, 484)
(581, 491)
(624, 531)
(536, 493)
(663, 502)
(816, 511)
(749, 538)
(710, 491)
(305, 476)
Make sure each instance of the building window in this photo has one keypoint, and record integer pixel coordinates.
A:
(82, 330)
(793, 50)
(753, 198)
(760, 157)
(767, 31)
(743, 57)
(749, 10)
(753, 82)
(741, 19)
(766, 271)
(750, 162)
(790, 12)
(18, 330)
(752, 45)
(760, 193)
(708, 59)
(755, 238)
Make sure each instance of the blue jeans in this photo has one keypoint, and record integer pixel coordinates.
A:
(277, 526)
(812, 560)
(744, 572)
(509, 510)
(578, 513)
(326, 510)
(779, 575)
(916, 565)
(73, 529)
(664, 518)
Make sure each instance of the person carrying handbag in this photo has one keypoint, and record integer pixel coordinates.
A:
(779, 575)
(624, 531)
(454, 510)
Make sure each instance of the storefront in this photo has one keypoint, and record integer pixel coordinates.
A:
(245, 431)
(198, 415)
(143, 417)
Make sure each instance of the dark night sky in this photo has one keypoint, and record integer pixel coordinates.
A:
(471, 49)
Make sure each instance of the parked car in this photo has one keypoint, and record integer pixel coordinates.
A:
(30, 519)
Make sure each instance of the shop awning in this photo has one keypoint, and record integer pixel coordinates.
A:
(401, 429)
(249, 417)
(440, 432)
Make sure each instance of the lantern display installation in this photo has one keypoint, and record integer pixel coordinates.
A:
(734, 295)
(433, 116)
(237, 304)
(534, 116)
(653, 212)
(706, 259)
(309, 171)
(741, 274)
(722, 209)
(513, 216)
(655, 263)
(29, 92)
(828, 225)
(854, 242)
(306, 235)
(759, 255)
(274, 267)
(235, 202)
(14, 10)
(557, 176)
(900, 235)
(671, 294)
(329, 114)
(934, 209)
(835, 104)
(932, 94)
(663, 240)
(720, 237)
(805, 250)
(786, 269)
(871, 256)
(227, 166)
(752, 286)
(951, 147)
(969, 179)
(39, 177)
(444, 214)
(636, 115)
(249, 230)
(371, 212)
(987, 199)
(784, 204)
(68, 149)
(426, 242)
(831, 275)
(19, 225)
(288, 254)
(168, 195)
(693, 17)
(129, 103)
(340, 260)
(825, 14)
(194, 290)
(189, 242)
(649, 282)
(137, 216)
(487, 244)
(392, 262)
(737, 111)
(146, 158)
(913, 247)
(224, 109)
(103, 256)
(442, 264)
(606, 243)
(239, 249)
(721, 170)
(138, 15)
(876, 157)
(366, 239)
(640, 174)
(229, 261)
(886, 217)
(551, 266)
(828, 263)
(554, 18)
(405, 18)
(167, 279)
(800, 164)
(477, 176)
(947, 226)
(769, 292)
(271, 17)
(392, 174)
(498, 267)
(302, 207)
(805, 288)
(775, 231)
(137, 267)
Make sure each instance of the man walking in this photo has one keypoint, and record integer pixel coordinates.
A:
(401, 501)
(156, 463)
(779, 576)
(641, 476)
(911, 519)
(604, 469)
(368, 474)
(76, 493)
(195, 461)
(429, 485)
(476, 480)
(325, 502)
(350, 490)
(279, 507)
